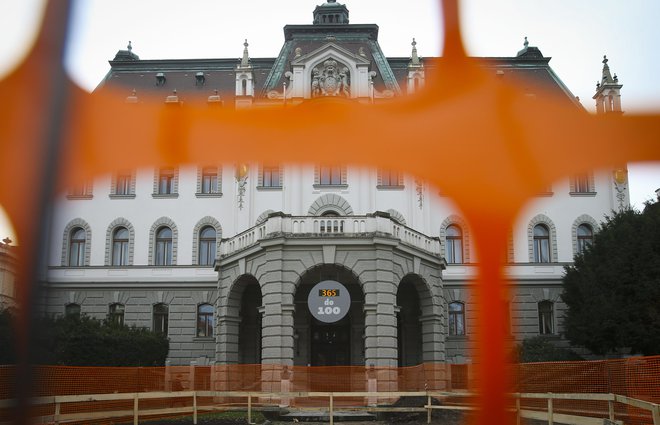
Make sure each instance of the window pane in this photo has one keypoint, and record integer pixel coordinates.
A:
(72, 310)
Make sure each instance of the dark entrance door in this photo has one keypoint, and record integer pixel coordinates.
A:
(331, 343)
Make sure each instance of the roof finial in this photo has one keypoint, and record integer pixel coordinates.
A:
(414, 59)
(245, 61)
(526, 43)
(129, 46)
(607, 77)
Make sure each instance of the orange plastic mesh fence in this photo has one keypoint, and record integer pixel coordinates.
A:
(634, 377)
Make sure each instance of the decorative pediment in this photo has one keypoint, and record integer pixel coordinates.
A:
(328, 50)
(330, 70)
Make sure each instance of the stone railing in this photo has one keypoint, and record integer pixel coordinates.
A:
(280, 224)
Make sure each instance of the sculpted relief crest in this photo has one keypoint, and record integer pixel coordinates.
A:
(331, 79)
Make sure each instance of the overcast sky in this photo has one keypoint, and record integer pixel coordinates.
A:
(575, 33)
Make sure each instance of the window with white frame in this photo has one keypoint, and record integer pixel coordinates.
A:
(163, 251)
(582, 183)
(207, 244)
(77, 247)
(271, 176)
(454, 244)
(541, 244)
(166, 182)
(585, 237)
(120, 240)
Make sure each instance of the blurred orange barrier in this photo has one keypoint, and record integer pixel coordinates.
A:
(53, 134)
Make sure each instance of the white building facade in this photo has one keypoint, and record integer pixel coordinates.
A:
(225, 258)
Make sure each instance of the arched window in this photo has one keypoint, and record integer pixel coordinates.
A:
(116, 313)
(456, 318)
(160, 318)
(205, 320)
(77, 247)
(244, 87)
(546, 318)
(541, 244)
(120, 246)
(72, 310)
(207, 243)
(163, 247)
(454, 244)
(585, 237)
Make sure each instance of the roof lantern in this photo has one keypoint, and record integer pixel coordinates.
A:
(331, 13)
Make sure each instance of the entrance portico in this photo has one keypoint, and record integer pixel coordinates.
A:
(392, 274)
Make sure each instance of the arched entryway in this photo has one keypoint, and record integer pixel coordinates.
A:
(239, 323)
(339, 343)
(249, 335)
(409, 327)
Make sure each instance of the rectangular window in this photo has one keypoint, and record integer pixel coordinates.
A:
(271, 176)
(388, 178)
(582, 183)
(205, 320)
(456, 318)
(166, 181)
(330, 175)
(546, 318)
(209, 183)
(123, 184)
(160, 318)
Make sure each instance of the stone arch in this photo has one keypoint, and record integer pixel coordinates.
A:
(313, 338)
(76, 222)
(583, 219)
(203, 222)
(119, 222)
(330, 201)
(542, 219)
(263, 217)
(465, 229)
(163, 221)
(397, 216)
(239, 313)
(417, 316)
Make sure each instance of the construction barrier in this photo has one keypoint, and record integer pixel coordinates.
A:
(635, 378)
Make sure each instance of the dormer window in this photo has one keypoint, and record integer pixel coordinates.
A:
(200, 79)
(160, 79)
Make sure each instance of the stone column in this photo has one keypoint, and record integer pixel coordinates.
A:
(433, 351)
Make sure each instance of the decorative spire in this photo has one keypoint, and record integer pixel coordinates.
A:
(526, 43)
(607, 77)
(414, 58)
(129, 47)
(245, 61)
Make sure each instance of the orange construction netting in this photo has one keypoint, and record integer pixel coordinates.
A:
(52, 134)
(634, 377)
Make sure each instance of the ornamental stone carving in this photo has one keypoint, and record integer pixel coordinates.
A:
(331, 80)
